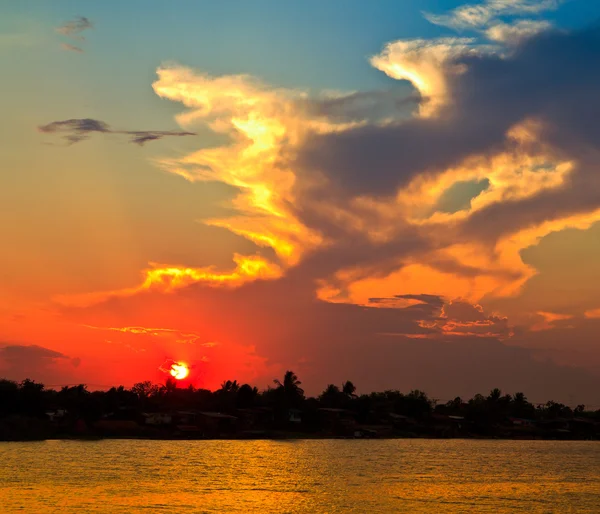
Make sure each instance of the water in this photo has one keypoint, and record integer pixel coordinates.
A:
(324, 476)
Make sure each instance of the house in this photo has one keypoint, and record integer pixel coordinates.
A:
(117, 427)
(215, 424)
(401, 421)
(256, 418)
(522, 422)
(294, 416)
(447, 426)
(584, 428)
(157, 418)
(337, 421)
(56, 415)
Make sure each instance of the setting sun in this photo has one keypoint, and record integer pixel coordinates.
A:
(179, 370)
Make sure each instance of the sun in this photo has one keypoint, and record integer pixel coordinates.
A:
(179, 370)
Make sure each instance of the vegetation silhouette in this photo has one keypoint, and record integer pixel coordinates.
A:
(29, 410)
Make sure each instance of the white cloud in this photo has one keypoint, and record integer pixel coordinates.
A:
(478, 16)
(426, 63)
(517, 32)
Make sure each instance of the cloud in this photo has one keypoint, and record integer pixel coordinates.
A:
(428, 301)
(475, 16)
(549, 320)
(504, 125)
(168, 334)
(17, 353)
(18, 362)
(592, 313)
(262, 123)
(170, 278)
(140, 137)
(76, 130)
(360, 198)
(75, 27)
(461, 318)
(427, 64)
(360, 106)
(517, 32)
(443, 319)
(71, 48)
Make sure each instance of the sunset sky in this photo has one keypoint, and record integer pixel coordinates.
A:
(401, 193)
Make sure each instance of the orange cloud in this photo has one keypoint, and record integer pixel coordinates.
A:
(177, 336)
(260, 122)
(592, 314)
(548, 320)
(455, 318)
(170, 278)
(265, 126)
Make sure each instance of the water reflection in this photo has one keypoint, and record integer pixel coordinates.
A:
(306, 476)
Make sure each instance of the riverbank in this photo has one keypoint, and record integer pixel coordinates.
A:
(286, 436)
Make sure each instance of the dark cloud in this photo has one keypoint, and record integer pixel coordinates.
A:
(551, 78)
(18, 353)
(18, 362)
(76, 130)
(75, 27)
(442, 318)
(377, 159)
(143, 136)
(431, 300)
(370, 106)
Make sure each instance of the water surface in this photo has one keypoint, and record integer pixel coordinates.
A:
(316, 476)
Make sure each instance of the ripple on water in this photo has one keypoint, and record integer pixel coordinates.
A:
(314, 476)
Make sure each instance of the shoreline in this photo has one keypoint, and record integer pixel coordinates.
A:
(295, 437)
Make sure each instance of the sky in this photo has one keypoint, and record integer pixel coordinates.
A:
(405, 194)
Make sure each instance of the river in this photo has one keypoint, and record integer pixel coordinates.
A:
(304, 476)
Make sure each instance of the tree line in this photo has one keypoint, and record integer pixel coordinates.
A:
(32, 399)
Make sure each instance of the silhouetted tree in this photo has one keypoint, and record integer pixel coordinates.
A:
(169, 387)
(349, 389)
(554, 410)
(229, 387)
(520, 407)
(9, 397)
(144, 390)
(331, 396)
(416, 403)
(290, 387)
(494, 395)
(31, 398)
(246, 396)
(23, 408)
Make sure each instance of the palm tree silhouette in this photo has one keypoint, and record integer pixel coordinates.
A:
(290, 387)
(331, 396)
(229, 387)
